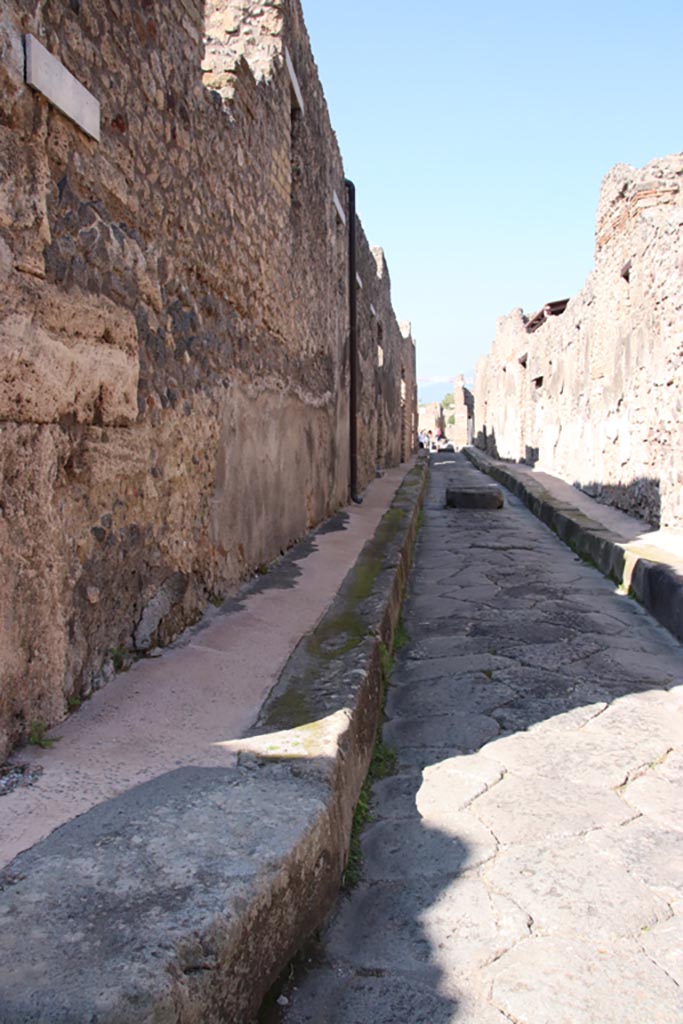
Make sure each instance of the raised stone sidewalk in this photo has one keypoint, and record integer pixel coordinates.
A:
(525, 863)
(181, 899)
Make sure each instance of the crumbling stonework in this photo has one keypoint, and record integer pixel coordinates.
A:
(461, 413)
(595, 394)
(174, 331)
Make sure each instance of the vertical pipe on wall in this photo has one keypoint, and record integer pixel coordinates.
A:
(353, 345)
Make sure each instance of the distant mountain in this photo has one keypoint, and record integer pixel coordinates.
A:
(435, 392)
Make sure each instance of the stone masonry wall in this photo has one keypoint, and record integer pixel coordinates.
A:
(173, 327)
(595, 395)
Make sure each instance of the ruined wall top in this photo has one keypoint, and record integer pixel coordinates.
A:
(628, 193)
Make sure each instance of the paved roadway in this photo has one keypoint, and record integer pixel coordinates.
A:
(525, 864)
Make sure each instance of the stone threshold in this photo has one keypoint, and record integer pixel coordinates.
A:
(645, 572)
(184, 898)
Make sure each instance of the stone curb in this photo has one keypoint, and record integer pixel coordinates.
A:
(654, 584)
(183, 899)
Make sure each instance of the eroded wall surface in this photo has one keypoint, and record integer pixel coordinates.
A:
(595, 395)
(174, 330)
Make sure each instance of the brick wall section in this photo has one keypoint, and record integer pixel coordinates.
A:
(174, 330)
(595, 395)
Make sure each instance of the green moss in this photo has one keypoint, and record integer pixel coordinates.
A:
(386, 663)
(118, 658)
(291, 708)
(336, 635)
(37, 737)
(342, 629)
(382, 765)
(401, 638)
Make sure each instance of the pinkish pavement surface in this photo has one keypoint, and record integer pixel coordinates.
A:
(184, 707)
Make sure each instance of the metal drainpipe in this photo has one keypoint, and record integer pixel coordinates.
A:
(353, 344)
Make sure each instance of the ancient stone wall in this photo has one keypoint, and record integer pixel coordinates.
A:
(595, 395)
(174, 330)
(461, 412)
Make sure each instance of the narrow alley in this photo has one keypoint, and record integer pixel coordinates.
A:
(524, 863)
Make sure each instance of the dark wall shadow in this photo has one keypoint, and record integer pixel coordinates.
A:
(640, 497)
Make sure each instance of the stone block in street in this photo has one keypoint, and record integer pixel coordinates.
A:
(481, 496)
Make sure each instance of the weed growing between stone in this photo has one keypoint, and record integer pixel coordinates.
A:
(37, 737)
(382, 765)
(118, 658)
(401, 638)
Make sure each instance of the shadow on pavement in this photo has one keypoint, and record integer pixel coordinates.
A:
(528, 693)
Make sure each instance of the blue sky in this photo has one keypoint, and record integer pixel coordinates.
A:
(478, 136)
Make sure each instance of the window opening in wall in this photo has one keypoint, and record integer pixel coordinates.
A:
(626, 272)
(523, 360)
(538, 382)
(380, 356)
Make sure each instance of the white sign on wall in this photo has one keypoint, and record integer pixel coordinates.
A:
(48, 76)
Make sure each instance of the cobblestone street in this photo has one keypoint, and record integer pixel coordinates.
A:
(525, 863)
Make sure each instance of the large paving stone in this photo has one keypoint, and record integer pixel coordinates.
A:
(550, 714)
(631, 667)
(647, 716)
(522, 809)
(396, 796)
(342, 997)
(473, 692)
(566, 981)
(459, 731)
(450, 786)
(553, 656)
(570, 889)
(648, 852)
(664, 944)
(429, 609)
(526, 629)
(453, 667)
(415, 848)
(453, 645)
(594, 758)
(659, 792)
(458, 925)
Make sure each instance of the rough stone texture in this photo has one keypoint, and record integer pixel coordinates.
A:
(595, 394)
(483, 496)
(173, 330)
(652, 574)
(461, 413)
(538, 878)
(183, 899)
